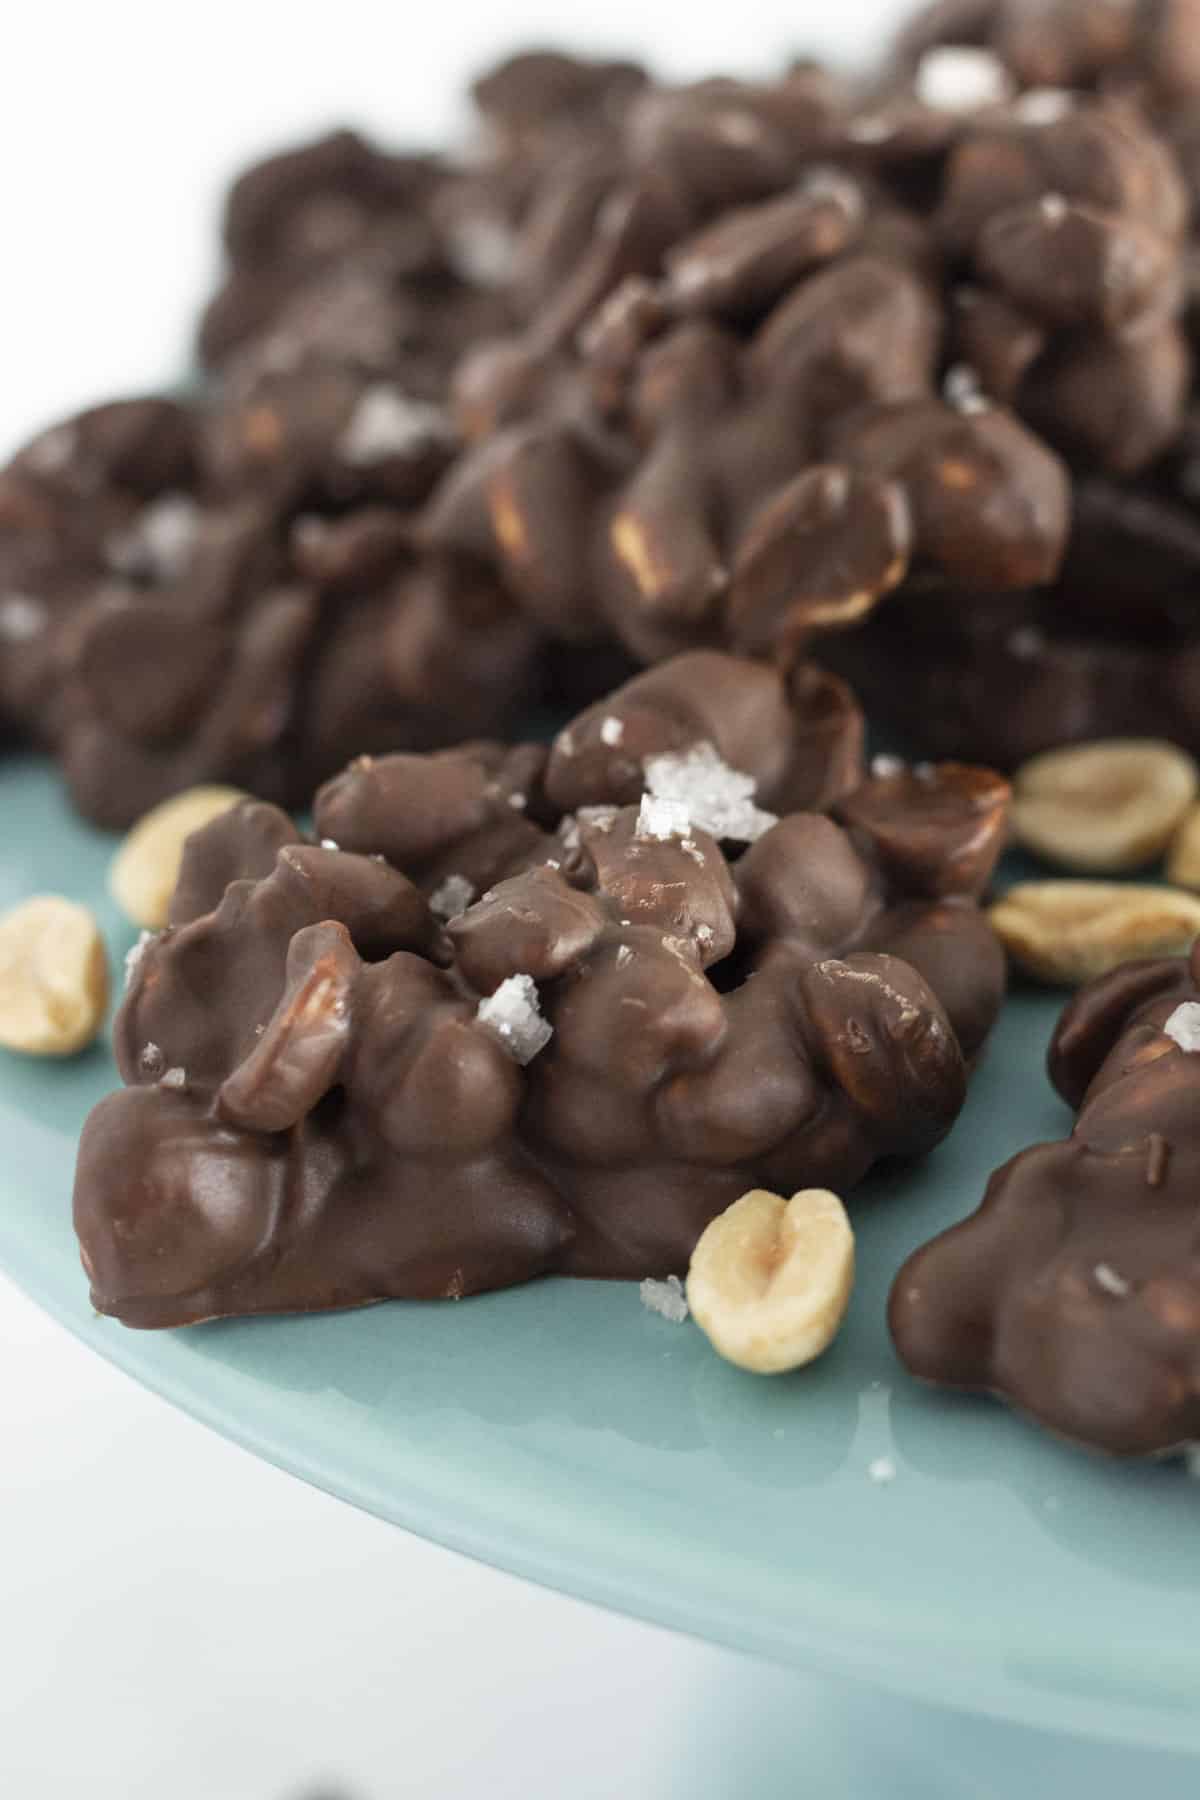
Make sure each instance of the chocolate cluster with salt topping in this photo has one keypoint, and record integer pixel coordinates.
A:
(529, 1009)
(890, 370)
(1074, 1291)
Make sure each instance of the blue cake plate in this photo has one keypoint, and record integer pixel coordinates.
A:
(564, 1433)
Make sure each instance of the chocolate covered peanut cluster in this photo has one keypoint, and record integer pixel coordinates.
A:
(527, 1009)
(1074, 1291)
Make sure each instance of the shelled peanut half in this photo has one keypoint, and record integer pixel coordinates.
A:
(1099, 810)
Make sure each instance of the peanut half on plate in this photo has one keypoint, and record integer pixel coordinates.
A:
(53, 977)
(1105, 807)
(770, 1279)
(1068, 932)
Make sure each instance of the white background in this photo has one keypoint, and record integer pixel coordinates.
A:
(177, 1620)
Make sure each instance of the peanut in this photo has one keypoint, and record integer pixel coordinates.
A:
(1104, 807)
(770, 1279)
(53, 977)
(1068, 932)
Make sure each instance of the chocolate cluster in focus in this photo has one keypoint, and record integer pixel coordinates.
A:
(1074, 1291)
(529, 1009)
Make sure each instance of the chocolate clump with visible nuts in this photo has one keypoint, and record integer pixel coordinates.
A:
(512, 1016)
(1074, 1291)
(657, 368)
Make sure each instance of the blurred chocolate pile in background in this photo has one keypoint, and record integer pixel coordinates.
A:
(896, 370)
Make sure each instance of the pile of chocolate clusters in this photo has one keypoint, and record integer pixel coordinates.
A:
(752, 388)
(652, 369)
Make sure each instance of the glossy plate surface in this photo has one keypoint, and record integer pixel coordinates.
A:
(564, 1433)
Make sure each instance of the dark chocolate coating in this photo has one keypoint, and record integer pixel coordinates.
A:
(786, 1017)
(1074, 1291)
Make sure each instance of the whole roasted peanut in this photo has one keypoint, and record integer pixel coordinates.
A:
(1183, 855)
(1103, 807)
(53, 977)
(146, 867)
(770, 1279)
(1068, 932)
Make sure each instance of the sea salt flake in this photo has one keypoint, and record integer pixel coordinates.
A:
(662, 818)
(134, 955)
(513, 1014)
(666, 1298)
(22, 618)
(452, 897)
(1106, 1277)
(717, 798)
(518, 802)
(1044, 106)
(152, 1059)
(330, 844)
(961, 389)
(882, 1470)
(1053, 208)
(597, 818)
(704, 935)
(386, 423)
(612, 731)
(624, 956)
(884, 766)
(158, 545)
(960, 78)
(176, 1079)
(1184, 1025)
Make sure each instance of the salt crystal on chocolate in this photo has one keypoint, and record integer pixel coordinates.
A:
(1044, 106)
(959, 78)
(387, 423)
(661, 818)
(718, 799)
(159, 543)
(611, 732)
(513, 1014)
(1184, 1025)
(962, 391)
(451, 898)
(134, 955)
(22, 618)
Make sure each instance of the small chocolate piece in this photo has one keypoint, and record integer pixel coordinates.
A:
(1073, 1291)
(558, 1039)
